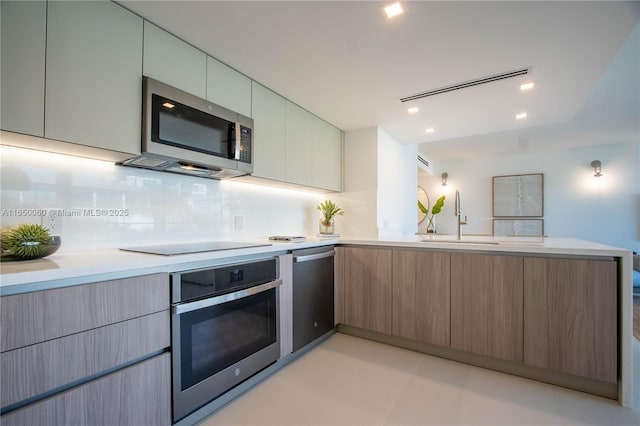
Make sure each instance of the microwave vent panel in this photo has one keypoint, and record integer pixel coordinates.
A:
(146, 161)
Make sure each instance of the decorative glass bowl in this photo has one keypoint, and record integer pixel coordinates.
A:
(43, 250)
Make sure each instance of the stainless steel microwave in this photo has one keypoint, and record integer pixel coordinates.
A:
(182, 133)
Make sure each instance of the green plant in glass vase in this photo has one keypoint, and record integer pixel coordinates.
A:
(329, 210)
(431, 216)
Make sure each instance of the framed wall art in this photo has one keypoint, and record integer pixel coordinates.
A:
(518, 195)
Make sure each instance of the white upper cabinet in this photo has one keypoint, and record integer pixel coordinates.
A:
(269, 133)
(327, 156)
(299, 149)
(292, 145)
(228, 88)
(24, 25)
(174, 62)
(93, 82)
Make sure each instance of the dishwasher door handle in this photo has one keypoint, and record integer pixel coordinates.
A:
(300, 259)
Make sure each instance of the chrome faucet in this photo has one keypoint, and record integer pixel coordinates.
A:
(458, 213)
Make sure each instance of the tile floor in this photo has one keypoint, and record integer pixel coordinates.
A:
(351, 381)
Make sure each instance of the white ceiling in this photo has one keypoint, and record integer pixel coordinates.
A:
(348, 64)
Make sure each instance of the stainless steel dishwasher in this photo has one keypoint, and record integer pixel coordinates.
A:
(313, 294)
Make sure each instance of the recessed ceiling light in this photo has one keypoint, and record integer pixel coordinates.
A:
(168, 105)
(413, 110)
(521, 116)
(393, 10)
(429, 130)
(527, 86)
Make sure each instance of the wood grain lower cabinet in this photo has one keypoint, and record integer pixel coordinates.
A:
(570, 316)
(486, 305)
(137, 395)
(421, 296)
(60, 344)
(70, 358)
(30, 318)
(367, 288)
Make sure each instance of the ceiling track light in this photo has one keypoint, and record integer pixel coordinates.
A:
(444, 176)
(597, 168)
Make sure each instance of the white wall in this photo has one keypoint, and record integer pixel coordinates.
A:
(359, 199)
(380, 186)
(361, 160)
(397, 182)
(160, 207)
(576, 204)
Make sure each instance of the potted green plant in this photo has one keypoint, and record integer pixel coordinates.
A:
(329, 210)
(431, 216)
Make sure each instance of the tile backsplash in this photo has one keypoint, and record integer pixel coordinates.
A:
(101, 205)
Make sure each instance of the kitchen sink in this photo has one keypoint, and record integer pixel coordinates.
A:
(495, 243)
(515, 241)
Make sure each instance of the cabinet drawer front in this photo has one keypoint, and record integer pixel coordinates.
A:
(422, 296)
(571, 317)
(367, 289)
(44, 315)
(486, 305)
(138, 395)
(42, 367)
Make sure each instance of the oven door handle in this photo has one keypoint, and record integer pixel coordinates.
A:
(212, 301)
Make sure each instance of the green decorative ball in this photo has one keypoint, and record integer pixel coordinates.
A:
(4, 239)
(27, 241)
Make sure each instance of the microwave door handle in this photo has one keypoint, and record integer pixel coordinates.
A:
(236, 141)
(217, 300)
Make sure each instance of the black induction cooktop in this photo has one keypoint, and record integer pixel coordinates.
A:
(187, 248)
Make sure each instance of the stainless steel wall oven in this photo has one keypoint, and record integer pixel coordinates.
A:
(224, 329)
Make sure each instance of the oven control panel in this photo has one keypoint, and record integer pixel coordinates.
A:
(223, 279)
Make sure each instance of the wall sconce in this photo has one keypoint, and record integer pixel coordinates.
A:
(445, 175)
(597, 167)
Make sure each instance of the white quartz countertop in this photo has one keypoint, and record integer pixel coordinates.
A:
(532, 245)
(65, 269)
(60, 270)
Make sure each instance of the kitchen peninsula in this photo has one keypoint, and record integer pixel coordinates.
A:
(494, 303)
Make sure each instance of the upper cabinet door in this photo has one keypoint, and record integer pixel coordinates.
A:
(269, 133)
(228, 88)
(299, 145)
(93, 82)
(174, 62)
(24, 25)
(327, 156)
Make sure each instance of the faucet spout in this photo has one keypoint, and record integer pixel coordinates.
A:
(458, 213)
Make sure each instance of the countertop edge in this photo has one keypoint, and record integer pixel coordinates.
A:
(69, 269)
